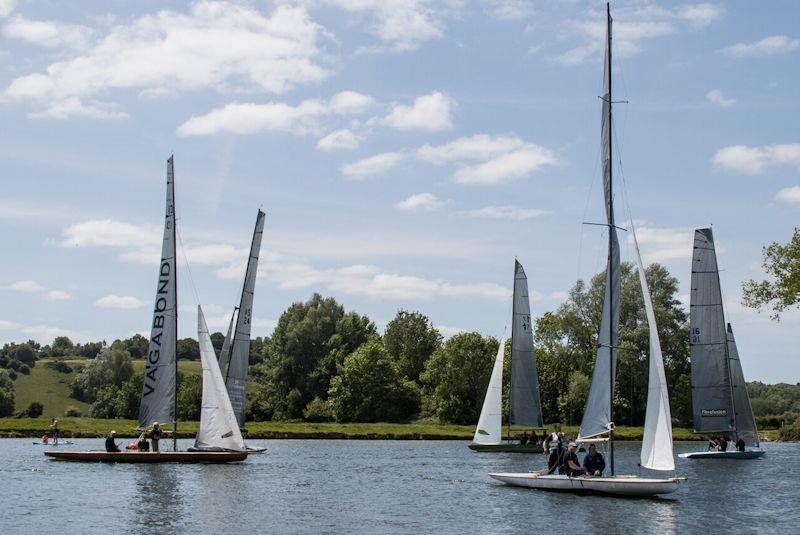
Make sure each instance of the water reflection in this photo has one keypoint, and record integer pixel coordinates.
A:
(157, 504)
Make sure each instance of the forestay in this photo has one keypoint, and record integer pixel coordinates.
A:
(236, 380)
(225, 353)
(218, 427)
(745, 422)
(490, 423)
(711, 388)
(526, 407)
(597, 414)
(656, 451)
(158, 385)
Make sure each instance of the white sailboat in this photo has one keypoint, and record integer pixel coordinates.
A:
(525, 405)
(597, 424)
(720, 404)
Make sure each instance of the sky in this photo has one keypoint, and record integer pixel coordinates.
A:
(405, 151)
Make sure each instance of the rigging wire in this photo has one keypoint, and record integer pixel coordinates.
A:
(186, 263)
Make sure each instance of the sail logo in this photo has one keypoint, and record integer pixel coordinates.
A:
(159, 319)
(714, 412)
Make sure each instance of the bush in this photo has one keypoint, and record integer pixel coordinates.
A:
(317, 411)
(24, 369)
(35, 410)
(6, 402)
(190, 397)
(60, 366)
(13, 375)
(72, 412)
(790, 434)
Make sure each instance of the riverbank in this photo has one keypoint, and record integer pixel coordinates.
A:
(95, 428)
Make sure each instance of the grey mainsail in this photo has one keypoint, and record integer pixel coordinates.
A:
(597, 415)
(526, 407)
(712, 402)
(236, 380)
(225, 352)
(158, 386)
(744, 420)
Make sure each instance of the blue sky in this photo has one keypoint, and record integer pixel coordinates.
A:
(404, 151)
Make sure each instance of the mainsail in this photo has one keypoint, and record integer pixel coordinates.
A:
(712, 402)
(236, 379)
(656, 451)
(745, 422)
(225, 352)
(159, 387)
(597, 414)
(218, 427)
(526, 407)
(490, 423)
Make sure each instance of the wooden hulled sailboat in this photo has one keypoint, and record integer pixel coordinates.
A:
(720, 404)
(597, 424)
(159, 387)
(525, 407)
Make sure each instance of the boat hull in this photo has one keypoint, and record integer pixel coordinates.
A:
(148, 456)
(507, 448)
(755, 454)
(619, 485)
(255, 449)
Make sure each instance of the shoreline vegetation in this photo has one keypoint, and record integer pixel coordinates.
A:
(98, 428)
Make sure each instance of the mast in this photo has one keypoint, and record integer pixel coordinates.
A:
(727, 355)
(175, 399)
(610, 245)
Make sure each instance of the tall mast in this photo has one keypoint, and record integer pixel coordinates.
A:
(727, 352)
(610, 242)
(175, 243)
(511, 381)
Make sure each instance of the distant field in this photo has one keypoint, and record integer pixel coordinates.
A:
(51, 388)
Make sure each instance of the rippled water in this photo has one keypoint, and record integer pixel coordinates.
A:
(313, 486)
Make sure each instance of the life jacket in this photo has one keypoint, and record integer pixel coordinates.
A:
(555, 441)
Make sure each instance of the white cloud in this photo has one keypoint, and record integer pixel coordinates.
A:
(250, 118)
(6, 7)
(478, 147)
(27, 286)
(46, 33)
(119, 301)
(222, 45)
(109, 233)
(715, 96)
(664, 244)
(57, 295)
(420, 201)
(509, 9)
(753, 160)
(447, 331)
(214, 254)
(73, 107)
(513, 213)
(401, 24)
(374, 165)
(6, 325)
(769, 46)
(699, 15)
(339, 139)
(789, 195)
(428, 113)
(515, 164)
(46, 333)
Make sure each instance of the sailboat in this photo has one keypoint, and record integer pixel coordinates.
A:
(525, 406)
(159, 385)
(597, 424)
(234, 357)
(719, 394)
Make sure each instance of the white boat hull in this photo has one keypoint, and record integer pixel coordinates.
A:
(754, 454)
(619, 485)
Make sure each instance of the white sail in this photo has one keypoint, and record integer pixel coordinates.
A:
(656, 451)
(158, 385)
(225, 353)
(218, 427)
(490, 423)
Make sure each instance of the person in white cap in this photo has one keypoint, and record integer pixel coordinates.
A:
(572, 466)
(155, 436)
(111, 446)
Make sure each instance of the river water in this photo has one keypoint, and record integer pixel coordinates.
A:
(315, 486)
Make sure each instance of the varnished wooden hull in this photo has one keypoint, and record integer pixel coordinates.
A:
(148, 456)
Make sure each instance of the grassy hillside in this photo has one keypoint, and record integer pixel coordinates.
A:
(51, 388)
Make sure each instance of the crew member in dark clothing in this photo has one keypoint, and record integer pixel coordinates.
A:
(593, 463)
(740, 445)
(534, 439)
(553, 447)
(524, 439)
(155, 436)
(572, 466)
(142, 445)
(722, 444)
(111, 446)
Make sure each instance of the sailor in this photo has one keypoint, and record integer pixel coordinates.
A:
(593, 462)
(54, 431)
(554, 448)
(572, 465)
(712, 445)
(722, 444)
(534, 439)
(155, 436)
(524, 439)
(142, 444)
(740, 445)
(111, 446)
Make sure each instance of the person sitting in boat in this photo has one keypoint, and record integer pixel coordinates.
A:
(572, 466)
(713, 445)
(111, 445)
(142, 444)
(553, 447)
(155, 436)
(593, 462)
(524, 439)
(534, 439)
(740, 445)
(722, 444)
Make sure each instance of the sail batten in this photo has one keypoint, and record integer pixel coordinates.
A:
(236, 379)
(158, 386)
(490, 423)
(525, 406)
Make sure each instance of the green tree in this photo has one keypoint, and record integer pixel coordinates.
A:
(188, 349)
(411, 339)
(6, 394)
(217, 339)
(782, 291)
(62, 346)
(190, 397)
(456, 377)
(111, 368)
(23, 353)
(572, 402)
(34, 410)
(370, 388)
